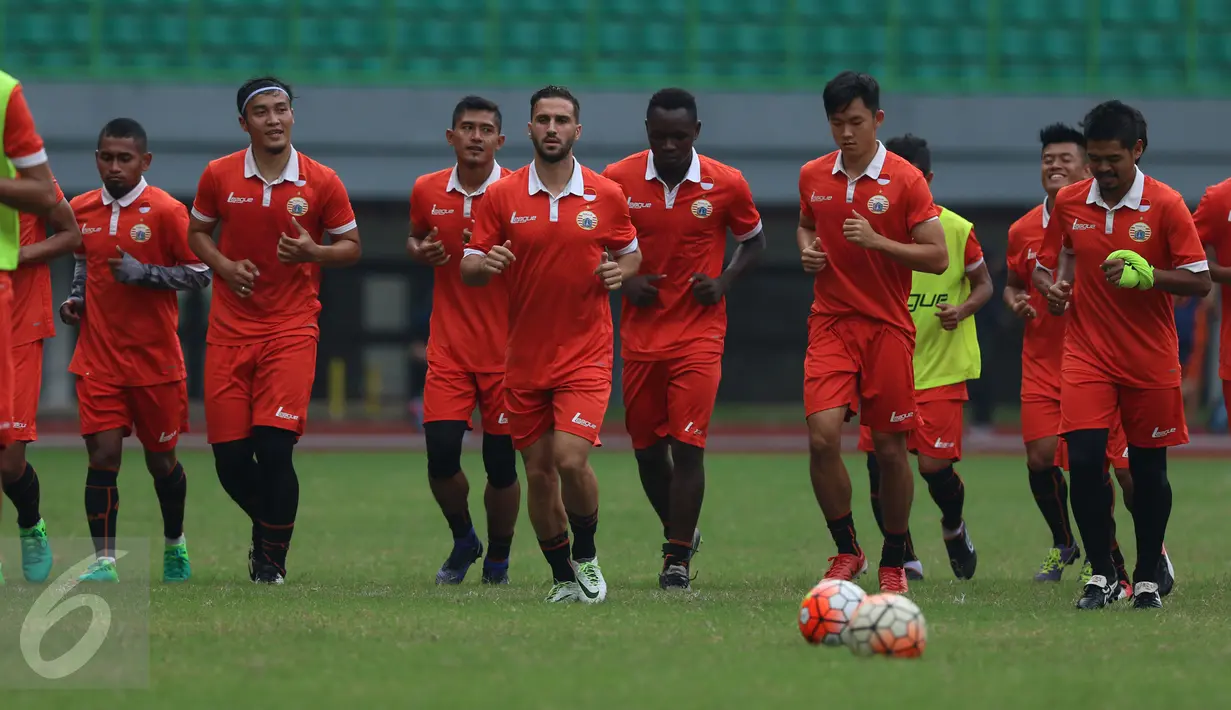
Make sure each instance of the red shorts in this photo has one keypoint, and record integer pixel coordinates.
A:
(577, 407)
(1041, 419)
(6, 359)
(27, 385)
(865, 366)
(672, 398)
(1152, 418)
(450, 395)
(158, 413)
(259, 384)
(938, 434)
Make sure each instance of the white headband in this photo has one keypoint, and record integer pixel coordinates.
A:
(261, 90)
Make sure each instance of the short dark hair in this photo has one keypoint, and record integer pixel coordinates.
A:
(261, 82)
(673, 99)
(125, 128)
(914, 149)
(555, 92)
(476, 103)
(1061, 133)
(848, 86)
(1115, 121)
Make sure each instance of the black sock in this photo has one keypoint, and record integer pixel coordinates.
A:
(172, 490)
(1051, 494)
(843, 532)
(279, 492)
(893, 552)
(498, 548)
(1151, 508)
(1117, 559)
(584, 528)
(679, 552)
(949, 494)
(557, 554)
(102, 506)
(874, 485)
(240, 476)
(1092, 497)
(25, 493)
(460, 524)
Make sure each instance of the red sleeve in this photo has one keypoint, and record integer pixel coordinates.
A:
(743, 219)
(339, 216)
(419, 208)
(620, 237)
(1213, 219)
(805, 204)
(1055, 238)
(1182, 241)
(919, 204)
(175, 220)
(79, 252)
(1014, 253)
(22, 143)
(205, 206)
(974, 252)
(59, 192)
(487, 224)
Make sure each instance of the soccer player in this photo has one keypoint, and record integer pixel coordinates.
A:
(674, 318)
(867, 220)
(1213, 218)
(27, 193)
(275, 205)
(129, 366)
(465, 348)
(1122, 243)
(561, 236)
(946, 355)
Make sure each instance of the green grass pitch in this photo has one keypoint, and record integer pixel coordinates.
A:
(360, 622)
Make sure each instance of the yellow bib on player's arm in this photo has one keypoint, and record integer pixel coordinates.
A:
(10, 220)
(944, 357)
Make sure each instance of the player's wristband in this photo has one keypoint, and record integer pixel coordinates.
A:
(1137, 271)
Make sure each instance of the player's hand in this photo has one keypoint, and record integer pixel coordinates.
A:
(125, 268)
(428, 250)
(1113, 269)
(1022, 308)
(949, 315)
(858, 231)
(499, 258)
(609, 272)
(241, 277)
(641, 291)
(300, 250)
(1058, 297)
(707, 291)
(71, 311)
(813, 259)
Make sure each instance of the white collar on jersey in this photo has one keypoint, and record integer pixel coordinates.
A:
(128, 199)
(289, 174)
(1046, 214)
(576, 184)
(693, 174)
(874, 168)
(455, 184)
(1131, 199)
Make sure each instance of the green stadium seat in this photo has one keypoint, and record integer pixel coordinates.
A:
(948, 13)
(664, 38)
(649, 10)
(1215, 13)
(1053, 13)
(1139, 13)
(864, 12)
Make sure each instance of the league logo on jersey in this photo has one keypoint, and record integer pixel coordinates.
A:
(297, 206)
(587, 220)
(140, 233)
(702, 209)
(1139, 232)
(878, 204)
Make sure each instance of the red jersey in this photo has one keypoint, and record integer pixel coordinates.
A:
(22, 144)
(33, 313)
(1127, 336)
(255, 214)
(682, 231)
(1213, 219)
(559, 310)
(894, 197)
(1043, 338)
(130, 334)
(469, 327)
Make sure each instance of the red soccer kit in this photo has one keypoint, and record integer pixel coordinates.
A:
(861, 338)
(1213, 219)
(260, 356)
(672, 350)
(559, 356)
(469, 327)
(33, 321)
(128, 361)
(1043, 348)
(1121, 346)
(23, 147)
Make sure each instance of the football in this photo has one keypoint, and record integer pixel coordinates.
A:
(827, 609)
(886, 625)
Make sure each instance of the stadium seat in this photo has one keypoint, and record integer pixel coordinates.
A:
(1052, 13)
(1216, 13)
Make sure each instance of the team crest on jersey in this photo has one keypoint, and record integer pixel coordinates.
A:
(587, 220)
(702, 209)
(140, 233)
(1139, 232)
(297, 206)
(878, 204)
